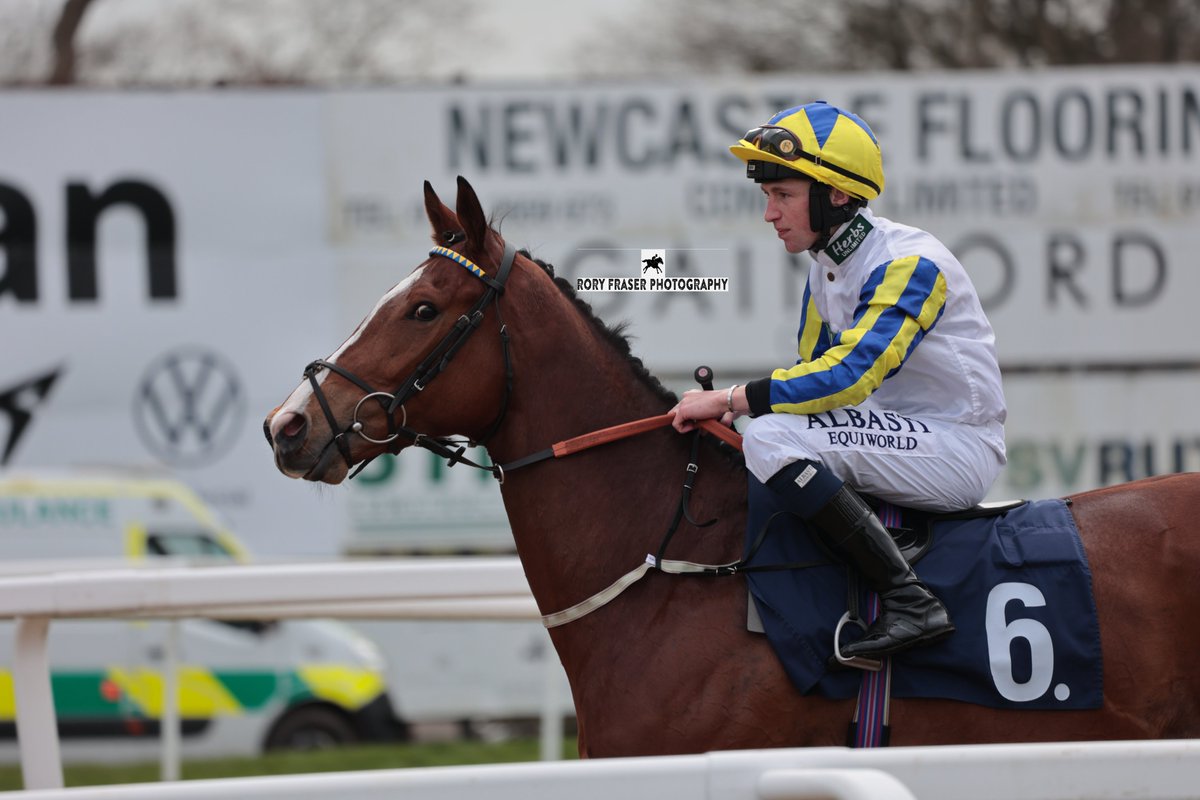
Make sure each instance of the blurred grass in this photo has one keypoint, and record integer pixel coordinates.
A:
(389, 756)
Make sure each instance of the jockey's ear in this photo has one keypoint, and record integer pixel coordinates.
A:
(470, 214)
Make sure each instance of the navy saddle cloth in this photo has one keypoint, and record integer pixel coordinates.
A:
(1017, 587)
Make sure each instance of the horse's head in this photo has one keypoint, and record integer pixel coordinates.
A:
(415, 365)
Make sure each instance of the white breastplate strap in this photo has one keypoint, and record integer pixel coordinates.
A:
(603, 597)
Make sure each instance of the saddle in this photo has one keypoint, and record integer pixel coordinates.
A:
(914, 533)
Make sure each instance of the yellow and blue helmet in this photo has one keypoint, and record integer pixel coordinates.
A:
(821, 141)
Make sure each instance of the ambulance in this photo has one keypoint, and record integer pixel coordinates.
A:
(244, 687)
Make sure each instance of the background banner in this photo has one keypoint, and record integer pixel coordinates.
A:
(169, 262)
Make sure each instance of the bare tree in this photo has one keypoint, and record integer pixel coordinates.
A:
(225, 42)
(714, 36)
(371, 42)
(64, 41)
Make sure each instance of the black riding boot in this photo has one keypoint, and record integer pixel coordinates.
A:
(910, 614)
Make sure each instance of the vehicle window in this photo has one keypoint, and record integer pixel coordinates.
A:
(185, 544)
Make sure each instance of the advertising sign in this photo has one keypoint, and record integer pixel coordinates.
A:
(1071, 196)
(165, 276)
(169, 262)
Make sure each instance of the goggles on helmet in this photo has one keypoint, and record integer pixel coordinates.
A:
(776, 141)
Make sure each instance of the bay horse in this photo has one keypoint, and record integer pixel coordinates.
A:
(668, 666)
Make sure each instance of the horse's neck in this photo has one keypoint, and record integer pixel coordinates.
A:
(583, 520)
(552, 506)
(567, 380)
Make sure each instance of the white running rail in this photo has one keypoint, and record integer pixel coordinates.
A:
(476, 588)
(1164, 770)
(496, 589)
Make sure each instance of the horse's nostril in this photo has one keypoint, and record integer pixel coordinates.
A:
(287, 430)
(294, 427)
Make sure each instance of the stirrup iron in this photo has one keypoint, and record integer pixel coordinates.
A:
(857, 662)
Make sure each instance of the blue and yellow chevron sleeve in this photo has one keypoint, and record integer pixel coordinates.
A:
(898, 305)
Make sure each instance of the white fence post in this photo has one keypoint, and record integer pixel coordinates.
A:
(37, 724)
(169, 721)
(551, 728)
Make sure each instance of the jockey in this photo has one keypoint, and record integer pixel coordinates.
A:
(896, 392)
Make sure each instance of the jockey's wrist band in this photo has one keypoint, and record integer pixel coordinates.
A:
(758, 396)
(729, 397)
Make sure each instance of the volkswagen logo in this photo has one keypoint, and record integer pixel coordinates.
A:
(189, 406)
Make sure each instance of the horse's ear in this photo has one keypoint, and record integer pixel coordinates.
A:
(470, 214)
(440, 216)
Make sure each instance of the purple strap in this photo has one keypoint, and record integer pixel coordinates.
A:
(871, 715)
(870, 727)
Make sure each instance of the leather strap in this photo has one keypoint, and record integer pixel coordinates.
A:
(605, 596)
(624, 430)
(613, 434)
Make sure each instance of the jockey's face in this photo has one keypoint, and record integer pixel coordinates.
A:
(787, 211)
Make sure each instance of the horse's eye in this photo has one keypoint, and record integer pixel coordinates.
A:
(425, 312)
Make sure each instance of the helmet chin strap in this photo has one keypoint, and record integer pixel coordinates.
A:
(824, 216)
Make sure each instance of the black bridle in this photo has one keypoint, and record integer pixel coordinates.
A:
(430, 367)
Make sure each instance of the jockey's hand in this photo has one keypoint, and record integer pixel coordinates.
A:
(698, 404)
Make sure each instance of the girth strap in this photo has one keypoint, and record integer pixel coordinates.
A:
(605, 596)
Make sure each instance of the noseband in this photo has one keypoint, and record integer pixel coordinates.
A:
(430, 367)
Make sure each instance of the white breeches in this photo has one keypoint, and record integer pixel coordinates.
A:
(913, 461)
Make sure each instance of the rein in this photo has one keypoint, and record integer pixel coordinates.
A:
(615, 433)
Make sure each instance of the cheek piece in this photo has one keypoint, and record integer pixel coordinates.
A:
(824, 216)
